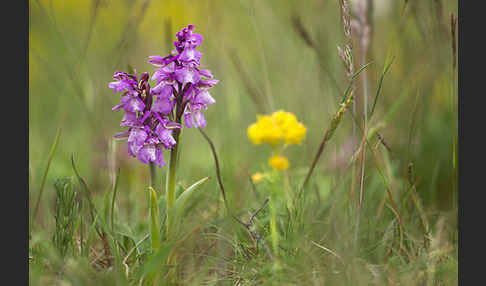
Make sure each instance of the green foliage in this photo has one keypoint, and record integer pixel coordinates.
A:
(67, 218)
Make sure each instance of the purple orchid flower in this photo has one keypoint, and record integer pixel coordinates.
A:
(153, 114)
(180, 74)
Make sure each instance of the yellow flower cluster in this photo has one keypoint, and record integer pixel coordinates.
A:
(277, 128)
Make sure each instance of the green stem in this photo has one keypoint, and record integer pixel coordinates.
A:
(171, 171)
(273, 226)
(153, 177)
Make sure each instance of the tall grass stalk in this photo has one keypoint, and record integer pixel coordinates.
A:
(363, 29)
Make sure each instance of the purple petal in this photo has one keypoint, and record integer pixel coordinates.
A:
(163, 90)
(117, 107)
(132, 103)
(190, 55)
(172, 125)
(206, 73)
(150, 153)
(156, 60)
(118, 86)
(196, 117)
(163, 105)
(159, 158)
(205, 97)
(145, 116)
(146, 154)
(187, 74)
(196, 39)
(130, 153)
(123, 134)
(165, 136)
(129, 119)
(136, 139)
(207, 83)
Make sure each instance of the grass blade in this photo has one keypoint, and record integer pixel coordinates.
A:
(350, 84)
(82, 182)
(380, 83)
(44, 177)
(115, 188)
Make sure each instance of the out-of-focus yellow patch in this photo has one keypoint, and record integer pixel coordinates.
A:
(295, 134)
(279, 163)
(257, 177)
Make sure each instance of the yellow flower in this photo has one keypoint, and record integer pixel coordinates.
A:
(276, 129)
(265, 130)
(257, 177)
(255, 133)
(278, 162)
(295, 134)
(294, 131)
(284, 119)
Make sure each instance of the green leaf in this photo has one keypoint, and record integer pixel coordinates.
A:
(181, 201)
(92, 209)
(175, 214)
(152, 266)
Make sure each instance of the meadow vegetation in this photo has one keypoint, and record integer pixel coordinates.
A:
(328, 158)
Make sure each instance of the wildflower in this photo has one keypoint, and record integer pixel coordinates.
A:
(178, 76)
(295, 134)
(257, 177)
(278, 130)
(181, 88)
(148, 131)
(265, 131)
(280, 127)
(279, 163)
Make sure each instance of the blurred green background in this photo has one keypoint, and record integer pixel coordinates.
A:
(75, 46)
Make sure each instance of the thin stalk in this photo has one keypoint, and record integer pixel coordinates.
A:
(327, 136)
(273, 226)
(172, 171)
(363, 155)
(248, 225)
(153, 177)
(364, 31)
(288, 190)
(171, 175)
